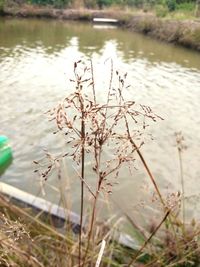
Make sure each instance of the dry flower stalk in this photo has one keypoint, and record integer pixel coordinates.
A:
(93, 128)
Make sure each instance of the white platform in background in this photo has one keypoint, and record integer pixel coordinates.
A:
(105, 20)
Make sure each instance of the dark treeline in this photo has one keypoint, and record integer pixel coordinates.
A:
(170, 4)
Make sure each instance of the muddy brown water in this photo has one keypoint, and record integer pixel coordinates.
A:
(36, 61)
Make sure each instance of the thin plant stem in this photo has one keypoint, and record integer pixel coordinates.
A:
(93, 84)
(100, 255)
(148, 240)
(108, 99)
(182, 186)
(149, 172)
(144, 163)
(91, 229)
(85, 183)
(98, 163)
(152, 179)
(93, 208)
(82, 177)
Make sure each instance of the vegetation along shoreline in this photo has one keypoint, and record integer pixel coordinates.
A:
(184, 32)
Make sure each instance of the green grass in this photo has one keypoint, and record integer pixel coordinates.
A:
(183, 11)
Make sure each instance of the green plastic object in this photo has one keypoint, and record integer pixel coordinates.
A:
(5, 154)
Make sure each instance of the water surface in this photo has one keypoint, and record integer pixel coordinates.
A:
(36, 61)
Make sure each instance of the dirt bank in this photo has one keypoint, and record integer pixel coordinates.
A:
(185, 33)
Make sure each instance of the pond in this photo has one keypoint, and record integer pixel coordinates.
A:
(36, 62)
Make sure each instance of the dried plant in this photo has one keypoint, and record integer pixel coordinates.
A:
(110, 133)
(12, 236)
(178, 243)
(94, 128)
(181, 147)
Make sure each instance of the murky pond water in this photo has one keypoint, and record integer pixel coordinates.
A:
(36, 61)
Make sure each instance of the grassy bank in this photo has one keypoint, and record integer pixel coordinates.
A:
(169, 29)
(185, 33)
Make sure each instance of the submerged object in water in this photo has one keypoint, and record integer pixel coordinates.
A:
(5, 154)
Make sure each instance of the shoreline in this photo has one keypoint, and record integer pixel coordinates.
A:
(185, 33)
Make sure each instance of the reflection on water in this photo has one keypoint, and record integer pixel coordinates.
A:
(53, 37)
(36, 59)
